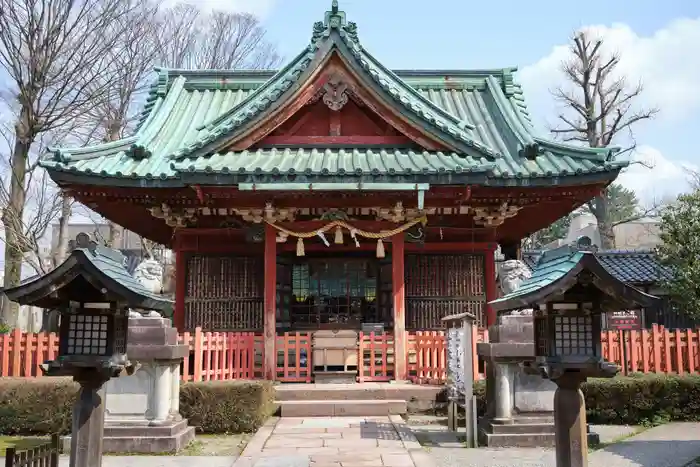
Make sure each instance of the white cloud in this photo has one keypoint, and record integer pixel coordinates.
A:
(653, 176)
(259, 8)
(667, 63)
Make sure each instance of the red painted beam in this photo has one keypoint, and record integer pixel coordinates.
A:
(335, 140)
(398, 287)
(451, 247)
(270, 306)
(180, 290)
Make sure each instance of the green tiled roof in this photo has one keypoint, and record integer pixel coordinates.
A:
(556, 271)
(334, 162)
(190, 116)
(630, 266)
(103, 265)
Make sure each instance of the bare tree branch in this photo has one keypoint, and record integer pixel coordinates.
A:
(53, 52)
(597, 107)
(220, 40)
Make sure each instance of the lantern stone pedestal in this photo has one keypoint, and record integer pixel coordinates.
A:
(570, 421)
(519, 404)
(142, 410)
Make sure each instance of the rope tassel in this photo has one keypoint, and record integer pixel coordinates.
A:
(380, 249)
(300, 247)
(338, 235)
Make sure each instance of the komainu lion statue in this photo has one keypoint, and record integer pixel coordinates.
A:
(511, 274)
(149, 273)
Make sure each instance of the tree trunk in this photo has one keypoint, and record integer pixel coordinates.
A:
(61, 251)
(12, 219)
(605, 227)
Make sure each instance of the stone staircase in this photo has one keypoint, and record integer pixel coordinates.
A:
(525, 432)
(354, 399)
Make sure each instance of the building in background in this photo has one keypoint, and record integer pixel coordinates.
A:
(642, 234)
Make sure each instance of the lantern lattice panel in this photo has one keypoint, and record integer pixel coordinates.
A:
(224, 293)
(573, 335)
(443, 285)
(87, 335)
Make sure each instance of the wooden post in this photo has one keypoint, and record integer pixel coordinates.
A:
(490, 285)
(180, 290)
(88, 419)
(270, 306)
(397, 279)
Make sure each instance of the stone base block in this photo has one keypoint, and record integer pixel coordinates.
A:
(126, 439)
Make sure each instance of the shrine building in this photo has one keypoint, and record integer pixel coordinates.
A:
(334, 195)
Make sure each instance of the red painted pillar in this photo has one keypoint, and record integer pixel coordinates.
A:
(490, 284)
(397, 279)
(180, 290)
(269, 303)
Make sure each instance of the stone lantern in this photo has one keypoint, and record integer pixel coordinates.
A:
(93, 294)
(92, 336)
(568, 292)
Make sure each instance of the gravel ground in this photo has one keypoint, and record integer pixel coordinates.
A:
(672, 445)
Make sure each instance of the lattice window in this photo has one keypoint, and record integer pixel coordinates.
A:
(442, 285)
(224, 293)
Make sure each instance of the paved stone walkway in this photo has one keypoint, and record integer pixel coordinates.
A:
(335, 442)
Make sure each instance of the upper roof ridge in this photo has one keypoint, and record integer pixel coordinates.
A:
(334, 19)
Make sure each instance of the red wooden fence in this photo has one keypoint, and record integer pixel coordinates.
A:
(239, 355)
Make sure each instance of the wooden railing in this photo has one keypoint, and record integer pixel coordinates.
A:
(655, 350)
(39, 455)
(375, 360)
(294, 357)
(239, 355)
(220, 356)
(427, 356)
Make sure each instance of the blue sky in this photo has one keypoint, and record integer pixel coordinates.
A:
(657, 40)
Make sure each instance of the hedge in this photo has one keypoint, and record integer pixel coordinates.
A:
(643, 399)
(44, 405)
(41, 406)
(637, 399)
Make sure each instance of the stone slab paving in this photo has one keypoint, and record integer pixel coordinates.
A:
(335, 442)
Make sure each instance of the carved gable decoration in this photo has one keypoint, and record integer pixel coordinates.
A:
(335, 94)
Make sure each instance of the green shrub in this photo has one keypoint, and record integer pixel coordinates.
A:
(36, 406)
(227, 406)
(44, 405)
(643, 399)
(638, 399)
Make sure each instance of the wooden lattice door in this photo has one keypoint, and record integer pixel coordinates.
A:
(443, 285)
(224, 293)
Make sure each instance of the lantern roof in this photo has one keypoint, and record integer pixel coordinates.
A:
(559, 270)
(91, 273)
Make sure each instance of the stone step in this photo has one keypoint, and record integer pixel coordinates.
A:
(521, 428)
(358, 391)
(342, 408)
(335, 377)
